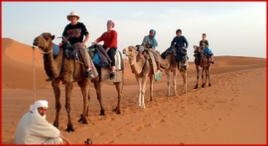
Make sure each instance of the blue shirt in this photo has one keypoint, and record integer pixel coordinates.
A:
(180, 41)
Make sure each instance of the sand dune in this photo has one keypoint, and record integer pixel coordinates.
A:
(232, 111)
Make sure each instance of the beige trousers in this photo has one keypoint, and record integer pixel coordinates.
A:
(87, 59)
(84, 53)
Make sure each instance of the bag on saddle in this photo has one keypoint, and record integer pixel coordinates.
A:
(207, 51)
(169, 50)
(181, 53)
(70, 52)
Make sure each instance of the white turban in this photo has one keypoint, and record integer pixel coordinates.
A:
(37, 104)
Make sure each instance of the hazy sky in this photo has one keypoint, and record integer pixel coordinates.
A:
(233, 28)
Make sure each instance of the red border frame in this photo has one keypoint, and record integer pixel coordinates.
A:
(134, 1)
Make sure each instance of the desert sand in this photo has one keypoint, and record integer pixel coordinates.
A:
(231, 111)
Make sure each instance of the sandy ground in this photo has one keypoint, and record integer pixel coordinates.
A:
(231, 111)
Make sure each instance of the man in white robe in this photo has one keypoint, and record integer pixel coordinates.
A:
(33, 127)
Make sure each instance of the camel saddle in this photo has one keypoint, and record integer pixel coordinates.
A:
(149, 55)
(102, 61)
(199, 56)
(180, 55)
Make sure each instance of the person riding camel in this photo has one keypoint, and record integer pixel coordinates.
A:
(109, 38)
(204, 43)
(74, 32)
(181, 43)
(150, 39)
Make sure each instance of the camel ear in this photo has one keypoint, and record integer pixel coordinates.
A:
(52, 37)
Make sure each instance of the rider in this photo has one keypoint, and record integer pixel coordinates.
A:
(151, 40)
(109, 38)
(182, 43)
(204, 43)
(74, 32)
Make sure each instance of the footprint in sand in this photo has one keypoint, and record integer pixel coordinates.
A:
(97, 134)
(112, 141)
(147, 125)
(162, 121)
(232, 99)
(137, 128)
(119, 134)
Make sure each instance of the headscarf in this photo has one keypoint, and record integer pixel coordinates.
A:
(110, 22)
(37, 104)
(152, 38)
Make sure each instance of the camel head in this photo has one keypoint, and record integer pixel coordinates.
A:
(130, 52)
(44, 41)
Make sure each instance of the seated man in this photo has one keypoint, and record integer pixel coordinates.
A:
(33, 127)
(181, 44)
(204, 43)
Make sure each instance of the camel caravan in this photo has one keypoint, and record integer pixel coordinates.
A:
(71, 61)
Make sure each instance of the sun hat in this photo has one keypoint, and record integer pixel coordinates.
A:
(73, 13)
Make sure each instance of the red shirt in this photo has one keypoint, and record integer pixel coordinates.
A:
(109, 39)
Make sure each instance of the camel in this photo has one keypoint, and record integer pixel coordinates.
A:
(69, 71)
(143, 69)
(202, 60)
(170, 64)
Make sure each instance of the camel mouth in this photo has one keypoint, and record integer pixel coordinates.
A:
(34, 47)
(124, 51)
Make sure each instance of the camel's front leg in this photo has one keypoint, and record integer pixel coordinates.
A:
(168, 82)
(55, 84)
(175, 82)
(68, 92)
(139, 90)
(208, 74)
(197, 76)
(184, 77)
(143, 84)
(151, 88)
(84, 86)
(97, 87)
(203, 78)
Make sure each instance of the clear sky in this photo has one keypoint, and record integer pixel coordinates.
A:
(233, 28)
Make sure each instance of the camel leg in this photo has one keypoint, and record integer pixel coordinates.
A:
(168, 82)
(143, 83)
(175, 82)
(55, 84)
(99, 97)
(184, 77)
(208, 74)
(139, 90)
(68, 94)
(86, 96)
(203, 78)
(197, 76)
(151, 88)
(119, 88)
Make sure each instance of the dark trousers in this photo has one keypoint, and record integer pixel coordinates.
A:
(111, 54)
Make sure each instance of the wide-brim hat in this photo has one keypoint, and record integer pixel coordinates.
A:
(73, 14)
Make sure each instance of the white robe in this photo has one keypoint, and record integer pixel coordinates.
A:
(34, 129)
